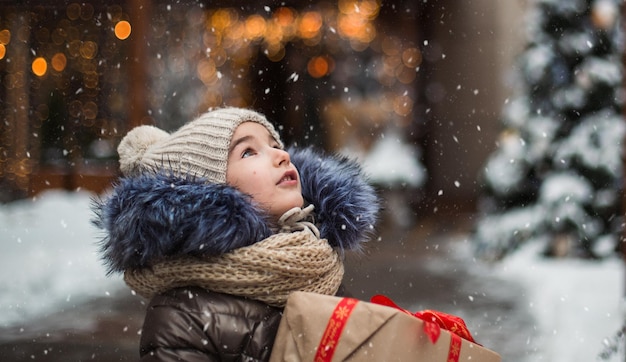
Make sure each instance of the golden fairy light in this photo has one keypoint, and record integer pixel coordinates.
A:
(319, 66)
(285, 17)
(365, 8)
(58, 62)
(39, 66)
(255, 27)
(405, 75)
(402, 105)
(274, 34)
(122, 29)
(355, 21)
(310, 24)
(222, 19)
(5, 37)
(275, 52)
(207, 71)
(233, 38)
(412, 57)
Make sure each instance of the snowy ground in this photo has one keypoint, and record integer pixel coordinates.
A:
(577, 305)
(49, 257)
(49, 261)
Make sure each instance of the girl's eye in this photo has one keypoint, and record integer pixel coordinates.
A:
(247, 153)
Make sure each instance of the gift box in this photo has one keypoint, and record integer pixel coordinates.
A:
(321, 328)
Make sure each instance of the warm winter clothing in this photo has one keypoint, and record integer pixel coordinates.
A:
(193, 324)
(199, 148)
(217, 265)
(267, 271)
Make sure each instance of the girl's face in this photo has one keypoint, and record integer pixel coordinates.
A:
(258, 167)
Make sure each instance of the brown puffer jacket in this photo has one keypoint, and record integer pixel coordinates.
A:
(193, 324)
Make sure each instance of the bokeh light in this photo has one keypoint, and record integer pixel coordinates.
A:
(90, 110)
(222, 19)
(255, 27)
(86, 11)
(73, 11)
(39, 66)
(403, 105)
(207, 71)
(88, 49)
(5, 37)
(319, 66)
(122, 30)
(412, 57)
(310, 24)
(84, 51)
(59, 62)
(285, 17)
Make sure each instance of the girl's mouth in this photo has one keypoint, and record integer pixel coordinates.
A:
(288, 177)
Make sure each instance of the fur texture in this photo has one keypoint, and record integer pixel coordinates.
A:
(150, 217)
(346, 206)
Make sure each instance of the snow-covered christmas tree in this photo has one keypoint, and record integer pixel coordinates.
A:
(556, 174)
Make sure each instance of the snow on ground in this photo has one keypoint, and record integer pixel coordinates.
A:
(50, 261)
(49, 257)
(577, 304)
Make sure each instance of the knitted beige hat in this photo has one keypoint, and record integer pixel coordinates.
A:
(199, 148)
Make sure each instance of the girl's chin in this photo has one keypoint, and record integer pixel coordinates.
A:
(280, 212)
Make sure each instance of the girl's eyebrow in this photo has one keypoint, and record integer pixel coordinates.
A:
(246, 138)
(239, 141)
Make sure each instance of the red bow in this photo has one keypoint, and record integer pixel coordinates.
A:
(433, 320)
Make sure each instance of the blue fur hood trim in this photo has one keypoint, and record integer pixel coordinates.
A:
(151, 217)
(346, 205)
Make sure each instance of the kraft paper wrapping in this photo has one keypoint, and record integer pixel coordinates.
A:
(372, 333)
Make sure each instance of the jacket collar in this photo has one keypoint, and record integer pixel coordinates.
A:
(153, 217)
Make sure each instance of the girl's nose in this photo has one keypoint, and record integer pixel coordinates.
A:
(282, 157)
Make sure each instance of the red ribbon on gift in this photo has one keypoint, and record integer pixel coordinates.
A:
(336, 323)
(433, 321)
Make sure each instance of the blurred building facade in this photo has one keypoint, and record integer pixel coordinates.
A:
(76, 77)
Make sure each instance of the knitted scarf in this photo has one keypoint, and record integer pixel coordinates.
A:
(294, 259)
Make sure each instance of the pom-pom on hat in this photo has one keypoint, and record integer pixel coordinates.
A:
(198, 149)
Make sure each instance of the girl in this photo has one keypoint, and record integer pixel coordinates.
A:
(217, 224)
